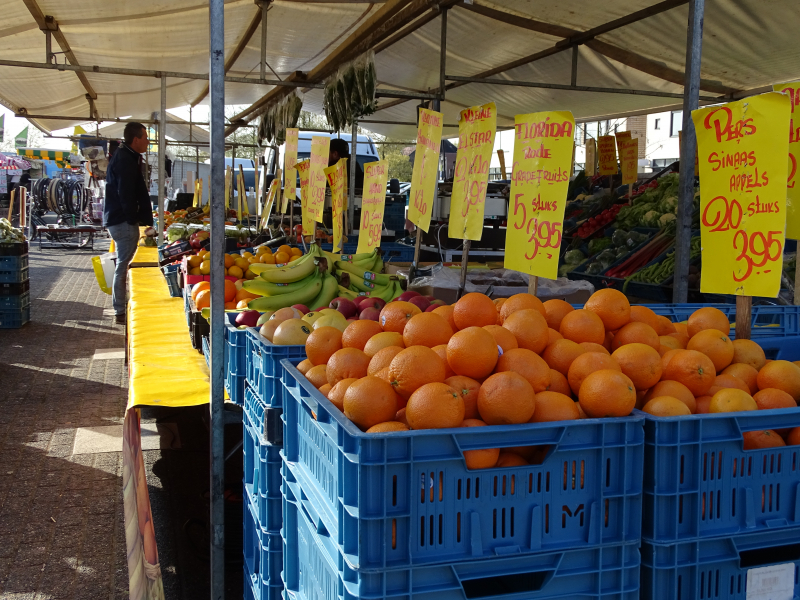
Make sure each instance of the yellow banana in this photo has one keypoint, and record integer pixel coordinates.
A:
(293, 271)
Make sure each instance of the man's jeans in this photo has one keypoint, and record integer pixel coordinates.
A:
(126, 239)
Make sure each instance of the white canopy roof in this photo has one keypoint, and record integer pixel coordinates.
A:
(748, 44)
(180, 132)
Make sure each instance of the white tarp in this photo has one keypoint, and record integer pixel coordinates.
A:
(747, 44)
(179, 132)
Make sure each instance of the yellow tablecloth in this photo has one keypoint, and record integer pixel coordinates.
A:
(146, 256)
(164, 368)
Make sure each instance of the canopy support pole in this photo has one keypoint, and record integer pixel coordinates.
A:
(351, 196)
(162, 151)
(574, 78)
(691, 90)
(264, 5)
(48, 46)
(216, 195)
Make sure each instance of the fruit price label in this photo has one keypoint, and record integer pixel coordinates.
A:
(629, 159)
(303, 169)
(337, 177)
(376, 175)
(743, 166)
(607, 152)
(793, 187)
(476, 129)
(590, 164)
(272, 194)
(621, 137)
(424, 177)
(539, 180)
(289, 158)
(320, 150)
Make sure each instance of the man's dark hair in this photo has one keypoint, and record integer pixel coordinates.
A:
(132, 130)
(341, 147)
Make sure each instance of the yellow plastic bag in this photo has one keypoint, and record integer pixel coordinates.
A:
(104, 266)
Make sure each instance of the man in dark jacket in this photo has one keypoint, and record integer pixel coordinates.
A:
(127, 206)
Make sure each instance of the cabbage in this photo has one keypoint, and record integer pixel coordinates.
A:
(669, 204)
(665, 219)
(650, 219)
(573, 257)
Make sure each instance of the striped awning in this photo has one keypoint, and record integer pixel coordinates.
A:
(8, 163)
(41, 154)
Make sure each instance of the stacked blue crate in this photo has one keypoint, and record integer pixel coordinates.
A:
(15, 299)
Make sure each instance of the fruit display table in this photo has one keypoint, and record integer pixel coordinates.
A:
(146, 256)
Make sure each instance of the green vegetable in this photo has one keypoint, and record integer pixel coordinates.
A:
(665, 219)
(598, 244)
(574, 257)
(619, 238)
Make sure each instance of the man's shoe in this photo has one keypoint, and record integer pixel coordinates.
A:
(119, 319)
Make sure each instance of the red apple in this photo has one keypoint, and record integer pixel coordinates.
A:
(344, 306)
(249, 318)
(432, 308)
(406, 296)
(358, 300)
(378, 303)
(420, 302)
(302, 308)
(430, 298)
(370, 314)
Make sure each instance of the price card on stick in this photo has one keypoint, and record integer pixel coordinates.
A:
(629, 160)
(320, 150)
(272, 194)
(793, 189)
(539, 180)
(337, 178)
(607, 151)
(376, 175)
(289, 159)
(303, 169)
(743, 151)
(424, 177)
(621, 137)
(476, 130)
(590, 164)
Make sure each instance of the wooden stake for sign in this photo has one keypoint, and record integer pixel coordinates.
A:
(23, 207)
(533, 284)
(417, 243)
(464, 263)
(11, 206)
(502, 158)
(744, 306)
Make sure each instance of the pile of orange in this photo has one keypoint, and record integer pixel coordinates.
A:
(517, 360)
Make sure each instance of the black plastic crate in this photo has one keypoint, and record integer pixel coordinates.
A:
(13, 248)
(15, 289)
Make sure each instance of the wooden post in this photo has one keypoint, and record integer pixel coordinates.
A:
(416, 246)
(23, 207)
(533, 284)
(11, 205)
(464, 264)
(744, 306)
(502, 158)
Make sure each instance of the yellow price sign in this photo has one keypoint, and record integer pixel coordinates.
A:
(793, 190)
(337, 178)
(320, 150)
(621, 137)
(607, 152)
(373, 201)
(629, 159)
(272, 194)
(289, 159)
(476, 129)
(539, 181)
(744, 170)
(424, 177)
(303, 170)
(590, 164)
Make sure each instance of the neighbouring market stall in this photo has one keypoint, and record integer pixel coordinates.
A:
(634, 62)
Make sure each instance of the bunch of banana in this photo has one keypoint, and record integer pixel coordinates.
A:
(289, 272)
(347, 293)
(329, 291)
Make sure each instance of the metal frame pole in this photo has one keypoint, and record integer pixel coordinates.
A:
(691, 90)
(351, 197)
(264, 5)
(162, 151)
(216, 14)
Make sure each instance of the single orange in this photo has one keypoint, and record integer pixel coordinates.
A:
(243, 294)
(435, 406)
(693, 369)
(641, 363)
(636, 332)
(483, 458)
(232, 305)
(325, 389)
(468, 388)
(560, 354)
(388, 427)
(530, 329)
(666, 406)
(552, 336)
(474, 310)
(199, 287)
(586, 364)
(671, 342)
(552, 406)
(446, 312)
(780, 374)
(674, 389)
(703, 404)
(642, 314)
(744, 372)
(347, 363)
(441, 350)
(519, 302)
(555, 310)
(427, 329)
(358, 333)
(395, 315)
(472, 352)
(665, 326)
(592, 347)
(304, 366)
(771, 398)
(510, 459)
(611, 306)
(583, 326)
(666, 357)
(682, 337)
(384, 374)
(506, 399)
(708, 317)
(322, 343)
(202, 300)
(729, 381)
(504, 338)
(382, 358)
(382, 340)
(230, 290)
(731, 400)
(793, 438)
(559, 383)
(528, 364)
(369, 401)
(749, 353)
(715, 345)
(414, 367)
(607, 393)
(662, 349)
(758, 440)
(318, 376)
(336, 395)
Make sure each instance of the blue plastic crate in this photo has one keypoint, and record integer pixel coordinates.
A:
(394, 252)
(236, 347)
(13, 275)
(263, 559)
(263, 366)
(206, 343)
(15, 302)
(767, 320)
(13, 263)
(235, 385)
(14, 319)
(700, 483)
(171, 275)
(262, 477)
(254, 408)
(314, 569)
(718, 568)
(187, 306)
(414, 486)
